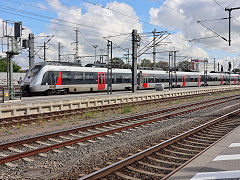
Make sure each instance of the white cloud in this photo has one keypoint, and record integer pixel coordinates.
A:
(41, 6)
(101, 22)
(182, 15)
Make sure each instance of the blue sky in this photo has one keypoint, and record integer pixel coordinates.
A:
(178, 16)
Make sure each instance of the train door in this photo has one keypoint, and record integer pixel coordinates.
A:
(221, 80)
(101, 80)
(235, 80)
(183, 81)
(140, 80)
(145, 80)
(199, 80)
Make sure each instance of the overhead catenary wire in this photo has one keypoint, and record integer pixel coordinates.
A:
(197, 21)
(224, 10)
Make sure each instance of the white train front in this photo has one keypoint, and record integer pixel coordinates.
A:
(56, 78)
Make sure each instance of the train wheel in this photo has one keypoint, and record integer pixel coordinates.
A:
(65, 91)
(49, 92)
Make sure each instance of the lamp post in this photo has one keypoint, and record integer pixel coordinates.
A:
(95, 46)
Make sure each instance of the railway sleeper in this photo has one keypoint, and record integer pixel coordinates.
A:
(210, 134)
(155, 166)
(124, 176)
(213, 133)
(219, 128)
(177, 153)
(203, 140)
(206, 136)
(186, 149)
(148, 173)
(151, 168)
(195, 142)
(165, 161)
(171, 156)
(178, 150)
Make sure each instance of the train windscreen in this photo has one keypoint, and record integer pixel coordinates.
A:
(33, 72)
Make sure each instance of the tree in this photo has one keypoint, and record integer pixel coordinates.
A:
(236, 70)
(163, 65)
(127, 66)
(117, 62)
(146, 63)
(3, 65)
(185, 66)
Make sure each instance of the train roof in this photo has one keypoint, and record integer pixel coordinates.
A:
(57, 63)
(76, 66)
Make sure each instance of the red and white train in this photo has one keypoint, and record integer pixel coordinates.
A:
(56, 78)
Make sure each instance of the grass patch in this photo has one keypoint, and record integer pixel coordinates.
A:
(18, 125)
(170, 102)
(88, 115)
(126, 109)
(60, 122)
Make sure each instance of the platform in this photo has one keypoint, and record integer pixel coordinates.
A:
(221, 161)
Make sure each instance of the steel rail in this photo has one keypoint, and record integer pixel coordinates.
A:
(77, 140)
(122, 163)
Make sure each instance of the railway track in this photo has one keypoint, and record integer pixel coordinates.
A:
(24, 120)
(77, 137)
(166, 158)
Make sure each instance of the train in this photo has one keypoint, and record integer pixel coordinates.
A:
(62, 78)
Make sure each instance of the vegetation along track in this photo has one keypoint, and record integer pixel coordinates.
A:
(17, 121)
(166, 158)
(12, 151)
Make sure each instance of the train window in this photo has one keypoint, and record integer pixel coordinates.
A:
(119, 79)
(33, 72)
(89, 76)
(157, 80)
(162, 80)
(78, 76)
(151, 80)
(126, 79)
(66, 75)
(66, 78)
(45, 79)
(196, 79)
(179, 79)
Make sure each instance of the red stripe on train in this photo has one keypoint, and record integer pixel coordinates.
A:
(59, 81)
